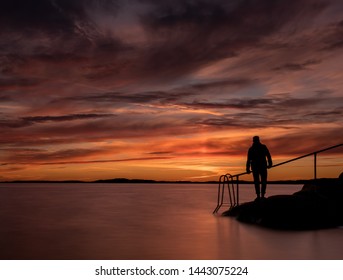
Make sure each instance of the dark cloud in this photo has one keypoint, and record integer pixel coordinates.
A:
(333, 40)
(304, 141)
(230, 122)
(180, 36)
(234, 103)
(113, 98)
(54, 38)
(23, 156)
(51, 16)
(238, 22)
(283, 112)
(102, 161)
(227, 83)
(97, 128)
(325, 116)
(14, 82)
(273, 103)
(40, 119)
(67, 156)
(70, 156)
(297, 66)
(39, 14)
(5, 98)
(28, 121)
(161, 153)
(247, 121)
(328, 113)
(197, 32)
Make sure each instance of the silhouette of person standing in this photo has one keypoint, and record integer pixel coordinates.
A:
(258, 155)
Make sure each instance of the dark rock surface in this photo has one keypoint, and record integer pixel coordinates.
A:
(318, 205)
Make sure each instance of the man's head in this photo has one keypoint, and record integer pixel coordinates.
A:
(256, 139)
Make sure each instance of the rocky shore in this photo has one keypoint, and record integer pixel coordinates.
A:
(318, 205)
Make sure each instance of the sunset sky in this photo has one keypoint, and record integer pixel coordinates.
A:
(168, 90)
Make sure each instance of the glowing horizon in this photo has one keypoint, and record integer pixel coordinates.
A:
(168, 90)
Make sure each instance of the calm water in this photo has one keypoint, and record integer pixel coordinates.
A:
(114, 221)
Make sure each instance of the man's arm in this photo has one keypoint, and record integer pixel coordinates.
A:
(269, 158)
(248, 162)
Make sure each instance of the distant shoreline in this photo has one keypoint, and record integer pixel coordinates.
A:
(142, 181)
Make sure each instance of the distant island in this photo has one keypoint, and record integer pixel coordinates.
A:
(144, 181)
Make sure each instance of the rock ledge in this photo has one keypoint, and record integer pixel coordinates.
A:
(318, 205)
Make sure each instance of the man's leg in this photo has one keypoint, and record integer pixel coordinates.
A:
(256, 176)
(264, 175)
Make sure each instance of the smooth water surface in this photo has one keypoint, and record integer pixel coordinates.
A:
(140, 221)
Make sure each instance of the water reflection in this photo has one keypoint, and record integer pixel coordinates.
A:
(141, 222)
(243, 241)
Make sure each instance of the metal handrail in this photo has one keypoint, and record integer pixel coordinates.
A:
(229, 180)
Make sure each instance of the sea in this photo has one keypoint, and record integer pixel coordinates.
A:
(88, 221)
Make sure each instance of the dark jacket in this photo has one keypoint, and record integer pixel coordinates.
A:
(258, 155)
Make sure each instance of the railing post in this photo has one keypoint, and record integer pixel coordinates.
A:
(315, 165)
(237, 178)
(229, 180)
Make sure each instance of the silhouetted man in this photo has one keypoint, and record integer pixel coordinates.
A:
(258, 155)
